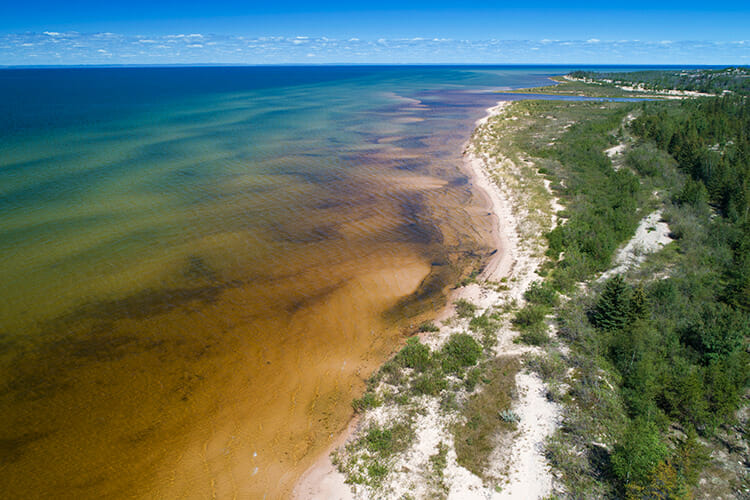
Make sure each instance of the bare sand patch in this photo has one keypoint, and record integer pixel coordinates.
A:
(652, 234)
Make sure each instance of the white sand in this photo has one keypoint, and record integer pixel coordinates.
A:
(323, 481)
(615, 150)
(652, 234)
(524, 467)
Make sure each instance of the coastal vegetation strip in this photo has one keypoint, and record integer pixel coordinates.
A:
(645, 365)
(651, 367)
(569, 87)
(667, 84)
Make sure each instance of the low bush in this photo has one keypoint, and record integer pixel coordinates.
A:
(414, 355)
(542, 293)
(530, 316)
(461, 351)
(430, 384)
(535, 336)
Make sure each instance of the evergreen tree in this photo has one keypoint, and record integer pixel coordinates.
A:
(612, 312)
(639, 306)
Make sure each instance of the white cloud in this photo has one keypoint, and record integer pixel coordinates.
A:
(92, 48)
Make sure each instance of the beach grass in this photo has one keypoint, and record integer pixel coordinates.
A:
(481, 426)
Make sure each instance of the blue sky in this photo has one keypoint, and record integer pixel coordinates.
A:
(231, 31)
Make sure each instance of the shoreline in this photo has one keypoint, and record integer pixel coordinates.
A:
(500, 263)
(324, 481)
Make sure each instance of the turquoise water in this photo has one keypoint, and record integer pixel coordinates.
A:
(197, 260)
(109, 178)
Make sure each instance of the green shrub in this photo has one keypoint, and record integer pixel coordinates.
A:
(536, 335)
(430, 384)
(377, 472)
(386, 441)
(647, 160)
(542, 293)
(487, 326)
(461, 351)
(638, 452)
(414, 355)
(530, 316)
(390, 372)
(483, 324)
(379, 440)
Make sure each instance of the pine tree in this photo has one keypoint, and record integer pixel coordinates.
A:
(639, 305)
(612, 312)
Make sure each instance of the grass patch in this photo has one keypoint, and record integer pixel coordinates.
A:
(429, 326)
(436, 477)
(367, 401)
(475, 438)
(367, 460)
(486, 325)
(464, 308)
(551, 367)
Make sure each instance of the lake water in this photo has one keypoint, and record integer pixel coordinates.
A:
(200, 266)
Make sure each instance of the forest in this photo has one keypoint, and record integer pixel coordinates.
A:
(649, 367)
(661, 354)
(735, 79)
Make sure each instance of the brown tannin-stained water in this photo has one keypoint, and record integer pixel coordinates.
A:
(201, 266)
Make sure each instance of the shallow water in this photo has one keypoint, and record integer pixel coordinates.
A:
(200, 266)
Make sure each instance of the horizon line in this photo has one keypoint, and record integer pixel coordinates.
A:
(374, 64)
